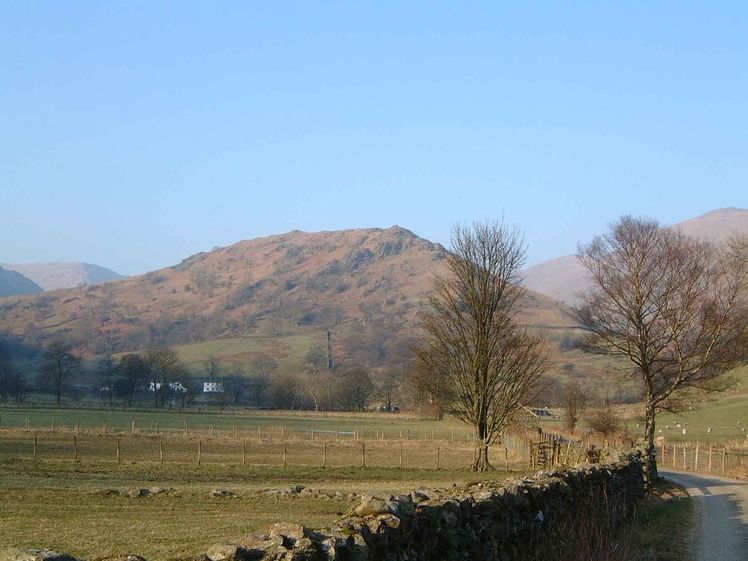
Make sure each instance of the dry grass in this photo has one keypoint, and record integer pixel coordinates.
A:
(664, 523)
(54, 503)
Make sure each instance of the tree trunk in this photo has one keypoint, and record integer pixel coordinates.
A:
(480, 459)
(650, 466)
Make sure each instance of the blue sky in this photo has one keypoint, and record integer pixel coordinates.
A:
(134, 134)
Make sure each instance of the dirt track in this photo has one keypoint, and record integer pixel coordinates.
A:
(722, 515)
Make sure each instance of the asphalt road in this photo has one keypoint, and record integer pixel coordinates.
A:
(722, 515)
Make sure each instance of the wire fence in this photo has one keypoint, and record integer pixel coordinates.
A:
(167, 425)
(147, 440)
(176, 448)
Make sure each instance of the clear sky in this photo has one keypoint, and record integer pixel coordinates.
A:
(134, 134)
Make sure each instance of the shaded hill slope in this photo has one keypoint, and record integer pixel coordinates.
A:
(13, 283)
(54, 276)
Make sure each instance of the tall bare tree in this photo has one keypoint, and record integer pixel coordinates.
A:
(263, 368)
(133, 372)
(672, 306)
(164, 369)
(481, 363)
(60, 364)
(574, 400)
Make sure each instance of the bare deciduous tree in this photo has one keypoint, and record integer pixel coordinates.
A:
(574, 401)
(481, 364)
(59, 365)
(132, 371)
(354, 387)
(263, 367)
(604, 421)
(671, 305)
(164, 369)
(213, 367)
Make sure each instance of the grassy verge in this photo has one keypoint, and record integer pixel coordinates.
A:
(663, 528)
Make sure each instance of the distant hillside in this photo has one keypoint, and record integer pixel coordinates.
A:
(13, 283)
(368, 286)
(717, 226)
(53, 276)
(563, 278)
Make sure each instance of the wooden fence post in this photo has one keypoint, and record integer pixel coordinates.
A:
(685, 461)
(709, 469)
(285, 456)
(506, 456)
(75, 447)
(675, 454)
(696, 460)
(324, 455)
(53, 424)
(363, 454)
(724, 460)
(199, 450)
(438, 454)
(132, 428)
(401, 455)
(118, 451)
(161, 451)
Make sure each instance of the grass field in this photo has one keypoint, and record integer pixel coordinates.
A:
(241, 424)
(188, 521)
(726, 414)
(56, 502)
(88, 508)
(60, 504)
(288, 350)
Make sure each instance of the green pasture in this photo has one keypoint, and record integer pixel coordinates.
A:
(246, 424)
(288, 350)
(725, 413)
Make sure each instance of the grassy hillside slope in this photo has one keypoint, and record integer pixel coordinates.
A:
(280, 293)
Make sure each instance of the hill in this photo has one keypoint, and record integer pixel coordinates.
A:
(54, 276)
(13, 283)
(285, 291)
(563, 278)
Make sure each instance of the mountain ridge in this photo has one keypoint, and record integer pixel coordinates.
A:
(62, 275)
(369, 285)
(564, 278)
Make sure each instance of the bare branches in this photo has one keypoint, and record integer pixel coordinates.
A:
(574, 401)
(475, 359)
(672, 305)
